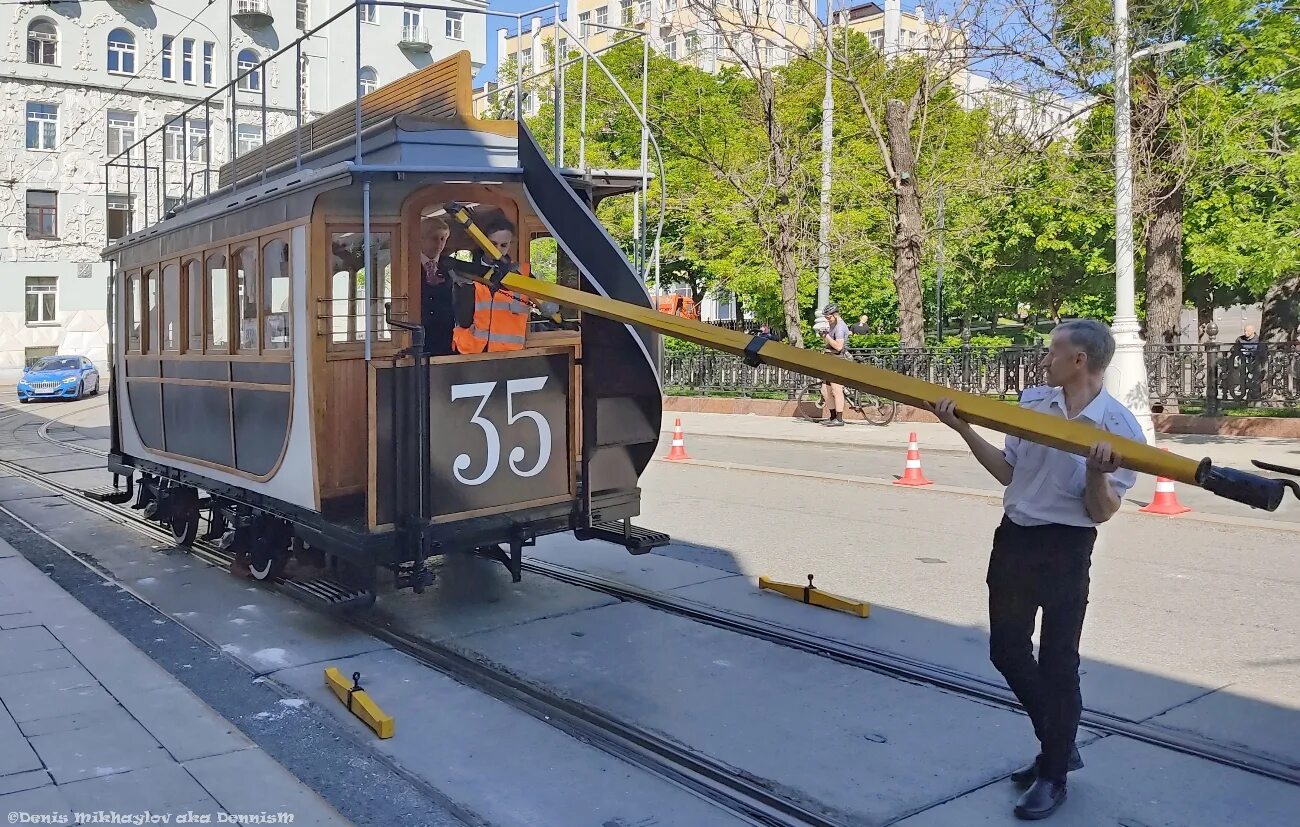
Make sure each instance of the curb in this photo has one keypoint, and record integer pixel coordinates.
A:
(874, 446)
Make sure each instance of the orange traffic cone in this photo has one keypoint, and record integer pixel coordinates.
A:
(912, 472)
(1166, 499)
(678, 451)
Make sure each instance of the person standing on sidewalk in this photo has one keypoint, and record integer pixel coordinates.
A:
(835, 341)
(1043, 548)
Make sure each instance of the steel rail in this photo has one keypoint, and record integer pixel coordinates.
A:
(913, 670)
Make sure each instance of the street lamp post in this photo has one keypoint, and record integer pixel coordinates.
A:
(1126, 379)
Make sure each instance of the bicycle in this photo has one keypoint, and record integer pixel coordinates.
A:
(859, 408)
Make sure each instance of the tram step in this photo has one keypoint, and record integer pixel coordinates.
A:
(328, 593)
(635, 539)
(107, 495)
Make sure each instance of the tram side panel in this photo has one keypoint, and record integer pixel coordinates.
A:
(228, 421)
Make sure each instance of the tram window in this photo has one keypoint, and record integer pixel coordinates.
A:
(218, 303)
(543, 258)
(151, 311)
(348, 286)
(171, 306)
(245, 261)
(134, 311)
(275, 295)
(194, 281)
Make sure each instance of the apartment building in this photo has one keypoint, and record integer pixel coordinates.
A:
(709, 33)
(80, 83)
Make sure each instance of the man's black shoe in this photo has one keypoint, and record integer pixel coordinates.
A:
(1025, 776)
(1040, 800)
(835, 423)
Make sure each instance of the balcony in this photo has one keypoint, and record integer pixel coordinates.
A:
(254, 13)
(415, 39)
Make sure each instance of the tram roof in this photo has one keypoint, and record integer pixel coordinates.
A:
(418, 125)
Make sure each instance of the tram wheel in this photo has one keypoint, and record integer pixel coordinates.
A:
(185, 517)
(269, 554)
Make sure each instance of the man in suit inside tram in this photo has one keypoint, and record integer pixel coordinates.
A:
(436, 307)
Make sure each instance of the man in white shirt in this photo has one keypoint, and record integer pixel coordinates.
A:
(1042, 550)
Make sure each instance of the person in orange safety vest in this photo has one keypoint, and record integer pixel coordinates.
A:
(500, 319)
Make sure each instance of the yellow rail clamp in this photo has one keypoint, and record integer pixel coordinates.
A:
(814, 596)
(358, 702)
(1074, 436)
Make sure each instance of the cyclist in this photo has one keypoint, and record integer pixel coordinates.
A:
(835, 341)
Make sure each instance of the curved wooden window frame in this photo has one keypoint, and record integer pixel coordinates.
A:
(208, 347)
(262, 242)
(134, 343)
(162, 308)
(193, 298)
(354, 346)
(254, 274)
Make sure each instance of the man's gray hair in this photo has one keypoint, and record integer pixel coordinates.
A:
(1093, 338)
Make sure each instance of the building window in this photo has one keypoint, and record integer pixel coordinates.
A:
(170, 203)
(643, 10)
(563, 50)
(209, 60)
(369, 13)
(792, 10)
(526, 60)
(187, 61)
(412, 19)
(669, 5)
(625, 11)
(168, 55)
(119, 216)
(42, 299)
(877, 40)
(584, 20)
(367, 80)
(42, 126)
(42, 43)
(303, 74)
(190, 144)
(670, 42)
(602, 16)
(121, 52)
(32, 355)
(42, 214)
(247, 138)
(691, 42)
(455, 25)
(121, 131)
(251, 82)
(303, 13)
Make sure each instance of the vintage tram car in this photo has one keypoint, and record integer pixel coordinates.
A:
(263, 368)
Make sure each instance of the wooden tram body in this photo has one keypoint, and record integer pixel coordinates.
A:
(260, 373)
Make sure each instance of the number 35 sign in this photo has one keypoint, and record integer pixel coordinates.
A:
(499, 431)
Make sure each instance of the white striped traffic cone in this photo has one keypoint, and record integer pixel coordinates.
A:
(1166, 499)
(912, 471)
(678, 449)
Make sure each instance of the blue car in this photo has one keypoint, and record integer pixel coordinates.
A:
(58, 377)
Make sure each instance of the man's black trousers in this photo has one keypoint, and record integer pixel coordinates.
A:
(1032, 568)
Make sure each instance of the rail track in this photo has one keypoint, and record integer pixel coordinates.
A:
(747, 798)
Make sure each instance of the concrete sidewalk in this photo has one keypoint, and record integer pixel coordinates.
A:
(90, 724)
(1236, 452)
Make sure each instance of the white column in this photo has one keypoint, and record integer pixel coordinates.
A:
(893, 22)
(1126, 379)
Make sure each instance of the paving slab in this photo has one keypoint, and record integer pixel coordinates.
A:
(1132, 784)
(46, 802)
(472, 595)
(249, 782)
(53, 693)
(17, 488)
(503, 764)
(20, 781)
(31, 450)
(164, 789)
(115, 746)
(183, 724)
(65, 461)
(17, 644)
(37, 662)
(646, 571)
(1258, 715)
(76, 721)
(15, 753)
(807, 725)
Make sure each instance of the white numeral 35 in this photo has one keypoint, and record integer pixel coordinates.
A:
(483, 391)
